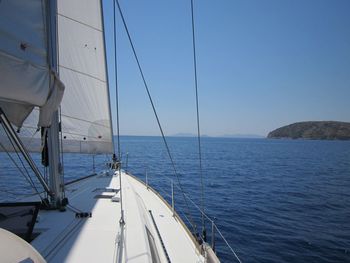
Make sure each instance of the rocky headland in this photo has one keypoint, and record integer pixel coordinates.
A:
(316, 130)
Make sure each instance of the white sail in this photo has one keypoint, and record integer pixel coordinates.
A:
(85, 111)
(26, 80)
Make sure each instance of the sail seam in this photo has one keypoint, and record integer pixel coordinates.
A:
(75, 118)
(79, 22)
(83, 73)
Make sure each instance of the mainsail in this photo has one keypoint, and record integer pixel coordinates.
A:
(85, 111)
(30, 91)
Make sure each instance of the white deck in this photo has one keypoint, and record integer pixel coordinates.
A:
(65, 238)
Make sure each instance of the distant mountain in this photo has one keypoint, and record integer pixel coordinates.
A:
(317, 130)
(184, 134)
(256, 136)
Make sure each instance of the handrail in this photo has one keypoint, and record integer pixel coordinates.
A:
(214, 226)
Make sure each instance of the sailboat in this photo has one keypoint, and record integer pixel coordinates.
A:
(54, 99)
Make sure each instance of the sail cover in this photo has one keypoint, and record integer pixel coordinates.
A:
(26, 95)
(26, 80)
(85, 109)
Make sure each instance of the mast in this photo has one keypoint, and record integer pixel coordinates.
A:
(55, 169)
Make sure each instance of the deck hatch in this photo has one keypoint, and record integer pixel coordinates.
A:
(102, 196)
(20, 218)
(106, 189)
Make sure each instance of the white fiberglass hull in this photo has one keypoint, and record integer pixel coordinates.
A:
(151, 233)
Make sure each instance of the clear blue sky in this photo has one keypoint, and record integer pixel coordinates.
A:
(261, 64)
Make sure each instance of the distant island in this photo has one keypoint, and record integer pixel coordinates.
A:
(242, 136)
(238, 136)
(184, 134)
(314, 130)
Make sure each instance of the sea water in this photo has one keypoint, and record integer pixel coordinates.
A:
(273, 200)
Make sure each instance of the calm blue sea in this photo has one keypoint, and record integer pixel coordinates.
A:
(273, 200)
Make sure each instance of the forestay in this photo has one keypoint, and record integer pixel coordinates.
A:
(85, 110)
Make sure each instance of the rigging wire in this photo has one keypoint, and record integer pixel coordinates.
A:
(27, 177)
(198, 120)
(161, 190)
(117, 110)
(116, 79)
(60, 107)
(154, 109)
